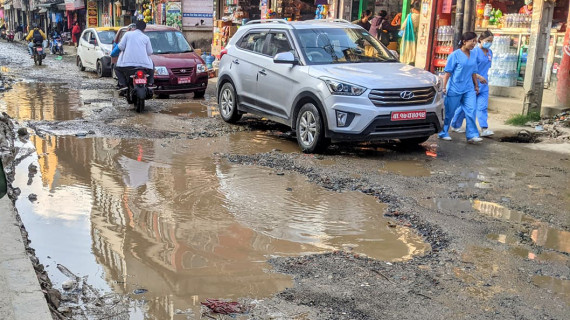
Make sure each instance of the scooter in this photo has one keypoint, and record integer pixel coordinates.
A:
(10, 36)
(39, 54)
(57, 45)
(137, 90)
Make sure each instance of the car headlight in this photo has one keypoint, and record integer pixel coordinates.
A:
(439, 84)
(160, 71)
(345, 89)
(200, 68)
(106, 52)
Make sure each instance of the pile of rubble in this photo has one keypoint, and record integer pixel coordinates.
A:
(556, 127)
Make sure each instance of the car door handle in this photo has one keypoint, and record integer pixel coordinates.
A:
(236, 61)
(262, 71)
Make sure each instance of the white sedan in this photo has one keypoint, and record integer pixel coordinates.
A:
(94, 49)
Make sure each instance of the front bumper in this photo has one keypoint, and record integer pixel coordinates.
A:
(170, 85)
(370, 122)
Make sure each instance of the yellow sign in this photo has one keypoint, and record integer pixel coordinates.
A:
(92, 14)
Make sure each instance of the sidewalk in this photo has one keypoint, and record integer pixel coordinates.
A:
(21, 297)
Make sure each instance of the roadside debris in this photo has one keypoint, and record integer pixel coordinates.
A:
(225, 307)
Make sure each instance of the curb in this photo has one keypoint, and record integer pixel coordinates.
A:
(21, 297)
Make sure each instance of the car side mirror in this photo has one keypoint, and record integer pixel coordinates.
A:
(395, 53)
(285, 57)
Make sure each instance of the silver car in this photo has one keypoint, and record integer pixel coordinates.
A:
(328, 81)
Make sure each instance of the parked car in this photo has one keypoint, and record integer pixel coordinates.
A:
(329, 81)
(177, 68)
(94, 48)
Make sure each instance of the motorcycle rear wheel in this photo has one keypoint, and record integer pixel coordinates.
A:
(139, 105)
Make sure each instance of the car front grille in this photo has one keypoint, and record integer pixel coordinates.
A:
(402, 97)
(182, 71)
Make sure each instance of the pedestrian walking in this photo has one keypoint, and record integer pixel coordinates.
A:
(364, 20)
(461, 87)
(75, 33)
(484, 56)
(408, 33)
(20, 32)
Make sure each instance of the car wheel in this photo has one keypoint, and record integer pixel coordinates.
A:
(228, 103)
(80, 64)
(310, 129)
(100, 71)
(199, 94)
(414, 141)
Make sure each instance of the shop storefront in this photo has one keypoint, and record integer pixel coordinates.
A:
(76, 12)
(510, 23)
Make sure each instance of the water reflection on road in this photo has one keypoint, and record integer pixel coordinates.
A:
(171, 217)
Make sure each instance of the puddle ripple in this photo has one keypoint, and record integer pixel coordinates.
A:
(169, 217)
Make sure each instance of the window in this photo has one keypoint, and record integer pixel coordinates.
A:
(86, 36)
(253, 41)
(168, 42)
(106, 37)
(278, 43)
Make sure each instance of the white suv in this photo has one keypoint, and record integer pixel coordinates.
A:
(327, 81)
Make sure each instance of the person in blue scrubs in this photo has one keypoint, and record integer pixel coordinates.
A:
(484, 59)
(461, 87)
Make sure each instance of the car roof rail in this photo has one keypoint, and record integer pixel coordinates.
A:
(268, 20)
(330, 20)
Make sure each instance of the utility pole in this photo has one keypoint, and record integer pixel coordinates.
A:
(542, 13)
(469, 14)
(458, 22)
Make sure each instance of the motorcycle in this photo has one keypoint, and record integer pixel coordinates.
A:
(138, 90)
(10, 36)
(57, 45)
(39, 53)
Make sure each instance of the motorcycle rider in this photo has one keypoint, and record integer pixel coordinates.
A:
(36, 35)
(135, 53)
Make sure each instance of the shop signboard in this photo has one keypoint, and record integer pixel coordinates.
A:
(198, 13)
(71, 5)
(424, 31)
(174, 15)
(92, 14)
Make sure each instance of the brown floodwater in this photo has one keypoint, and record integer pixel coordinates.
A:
(173, 218)
(408, 168)
(41, 101)
(558, 286)
(191, 110)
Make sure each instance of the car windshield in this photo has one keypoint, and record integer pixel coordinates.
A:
(168, 42)
(342, 45)
(106, 37)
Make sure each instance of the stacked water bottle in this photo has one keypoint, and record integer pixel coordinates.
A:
(503, 71)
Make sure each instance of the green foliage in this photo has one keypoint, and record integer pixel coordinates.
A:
(521, 120)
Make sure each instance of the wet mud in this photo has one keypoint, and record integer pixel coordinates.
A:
(158, 211)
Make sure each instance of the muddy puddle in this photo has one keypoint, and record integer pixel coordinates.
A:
(172, 218)
(559, 286)
(42, 101)
(191, 110)
(408, 168)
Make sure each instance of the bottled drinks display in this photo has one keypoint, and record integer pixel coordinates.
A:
(445, 36)
(517, 20)
(503, 70)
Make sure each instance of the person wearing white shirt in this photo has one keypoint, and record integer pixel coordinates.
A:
(135, 53)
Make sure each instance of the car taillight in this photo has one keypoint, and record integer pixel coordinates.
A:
(140, 74)
(222, 53)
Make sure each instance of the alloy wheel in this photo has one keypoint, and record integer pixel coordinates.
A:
(227, 103)
(308, 128)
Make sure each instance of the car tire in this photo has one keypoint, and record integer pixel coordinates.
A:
(99, 69)
(310, 129)
(414, 141)
(228, 103)
(80, 64)
(199, 94)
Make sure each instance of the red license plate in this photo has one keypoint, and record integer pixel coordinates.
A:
(408, 115)
(40, 49)
(140, 81)
(183, 80)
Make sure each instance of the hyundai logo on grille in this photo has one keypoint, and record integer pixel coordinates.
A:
(183, 70)
(406, 95)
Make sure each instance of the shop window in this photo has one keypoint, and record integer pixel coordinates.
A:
(278, 43)
(253, 42)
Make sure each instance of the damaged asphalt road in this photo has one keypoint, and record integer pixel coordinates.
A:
(495, 217)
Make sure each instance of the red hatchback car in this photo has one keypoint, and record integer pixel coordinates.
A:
(177, 68)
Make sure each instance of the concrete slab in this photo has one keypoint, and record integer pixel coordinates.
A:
(21, 297)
